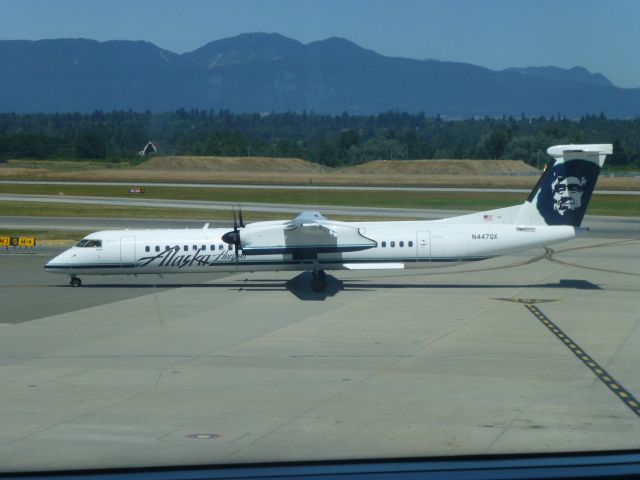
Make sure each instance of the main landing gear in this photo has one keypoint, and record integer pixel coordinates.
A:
(319, 281)
(75, 281)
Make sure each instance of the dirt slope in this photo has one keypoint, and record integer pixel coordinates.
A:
(441, 167)
(232, 164)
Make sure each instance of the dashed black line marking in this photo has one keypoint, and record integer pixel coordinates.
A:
(624, 395)
(530, 301)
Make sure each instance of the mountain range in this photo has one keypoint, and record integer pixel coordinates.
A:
(261, 72)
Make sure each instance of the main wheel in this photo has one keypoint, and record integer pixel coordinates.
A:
(75, 282)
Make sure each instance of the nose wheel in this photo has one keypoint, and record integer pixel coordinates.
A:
(319, 281)
(75, 281)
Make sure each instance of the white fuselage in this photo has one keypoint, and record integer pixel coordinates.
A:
(312, 242)
(412, 244)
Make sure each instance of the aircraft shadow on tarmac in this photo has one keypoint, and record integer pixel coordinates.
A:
(300, 286)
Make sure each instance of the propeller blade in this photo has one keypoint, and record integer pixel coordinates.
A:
(240, 214)
(233, 237)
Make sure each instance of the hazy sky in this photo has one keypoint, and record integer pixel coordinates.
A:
(602, 36)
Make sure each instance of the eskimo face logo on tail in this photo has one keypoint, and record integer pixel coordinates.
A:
(565, 192)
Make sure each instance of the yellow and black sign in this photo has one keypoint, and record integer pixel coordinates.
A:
(26, 241)
(6, 241)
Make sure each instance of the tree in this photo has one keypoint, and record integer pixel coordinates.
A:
(495, 144)
(620, 156)
(91, 145)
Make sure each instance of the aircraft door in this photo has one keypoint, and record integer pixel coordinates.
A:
(423, 245)
(127, 252)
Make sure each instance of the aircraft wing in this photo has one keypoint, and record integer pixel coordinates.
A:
(307, 234)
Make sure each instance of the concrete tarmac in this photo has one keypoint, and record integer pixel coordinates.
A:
(490, 357)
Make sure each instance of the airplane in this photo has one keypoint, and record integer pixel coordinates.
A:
(552, 213)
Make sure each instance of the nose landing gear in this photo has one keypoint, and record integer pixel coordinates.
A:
(75, 281)
(319, 281)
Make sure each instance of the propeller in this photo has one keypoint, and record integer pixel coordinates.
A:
(240, 215)
(233, 237)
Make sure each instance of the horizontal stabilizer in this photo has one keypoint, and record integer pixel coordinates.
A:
(562, 151)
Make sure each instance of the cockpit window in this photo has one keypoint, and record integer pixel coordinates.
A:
(86, 243)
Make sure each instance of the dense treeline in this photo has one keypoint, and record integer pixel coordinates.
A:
(329, 140)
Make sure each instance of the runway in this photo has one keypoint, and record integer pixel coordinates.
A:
(285, 209)
(298, 187)
(256, 367)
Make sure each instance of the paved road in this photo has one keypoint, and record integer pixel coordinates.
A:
(299, 187)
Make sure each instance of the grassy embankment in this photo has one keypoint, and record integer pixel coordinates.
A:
(293, 171)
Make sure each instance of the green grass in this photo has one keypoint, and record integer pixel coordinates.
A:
(393, 199)
(615, 205)
(37, 209)
(625, 205)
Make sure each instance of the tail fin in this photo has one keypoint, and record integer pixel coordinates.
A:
(563, 192)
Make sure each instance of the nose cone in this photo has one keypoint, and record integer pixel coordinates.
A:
(57, 263)
(232, 237)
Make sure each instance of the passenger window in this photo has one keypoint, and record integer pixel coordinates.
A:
(195, 247)
(220, 247)
(212, 247)
(186, 248)
(401, 243)
(410, 243)
(147, 249)
(384, 244)
(393, 244)
(157, 248)
(230, 247)
(203, 247)
(167, 248)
